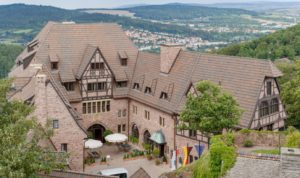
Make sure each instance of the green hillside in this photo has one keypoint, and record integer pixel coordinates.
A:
(281, 44)
(8, 54)
(183, 11)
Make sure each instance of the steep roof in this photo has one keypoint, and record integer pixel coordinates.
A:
(73, 45)
(242, 77)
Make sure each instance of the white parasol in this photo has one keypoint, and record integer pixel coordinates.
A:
(93, 144)
(116, 138)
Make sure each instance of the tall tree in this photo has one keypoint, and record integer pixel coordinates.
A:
(211, 111)
(20, 135)
(291, 97)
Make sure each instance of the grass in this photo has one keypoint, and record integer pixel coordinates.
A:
(272, 152)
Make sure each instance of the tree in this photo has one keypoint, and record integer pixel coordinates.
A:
(291, 98)
(211, 111)
(20, 135)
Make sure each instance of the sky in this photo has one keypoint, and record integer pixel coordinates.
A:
(74, 4)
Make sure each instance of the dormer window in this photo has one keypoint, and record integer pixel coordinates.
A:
(124, 62)
(123, 58)
(163, 95)
(136, 86)
(54, 65)
(148, 90)
(122, 84)
(69, 86)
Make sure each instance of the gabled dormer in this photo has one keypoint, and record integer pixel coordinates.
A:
(167, 92)
(168, 56)
(123, 58)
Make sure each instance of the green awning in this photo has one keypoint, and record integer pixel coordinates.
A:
(158, 137)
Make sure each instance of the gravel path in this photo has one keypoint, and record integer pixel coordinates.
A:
(254, 168)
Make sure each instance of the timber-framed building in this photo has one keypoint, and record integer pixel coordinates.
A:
(91, 78)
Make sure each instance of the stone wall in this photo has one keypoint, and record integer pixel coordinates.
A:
(152, 125)
(49, 106)
(260, 138)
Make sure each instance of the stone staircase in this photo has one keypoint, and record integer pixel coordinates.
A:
(290, 163)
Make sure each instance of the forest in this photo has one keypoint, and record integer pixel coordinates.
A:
(281, 44)
(8, 54)
(183, 11)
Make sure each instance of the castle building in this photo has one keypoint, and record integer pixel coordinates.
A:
(88, 78)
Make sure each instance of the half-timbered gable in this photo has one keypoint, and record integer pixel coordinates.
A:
(269, 113)
(96, 80)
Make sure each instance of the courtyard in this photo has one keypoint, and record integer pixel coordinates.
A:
(116, 160)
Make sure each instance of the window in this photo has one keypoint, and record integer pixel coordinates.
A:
(124, 112)
(124, 127)
(124, 62)
(54, 65)
(263, 109)
(69, 86)
(134, 109)
(274, 105)
(64, 147)
(97, 66)
(89, 108)
(122, 84)
(103, 106)
(269, 88)
(119, 113)
(163, 95)
(192, 133)
(84, 108)
(107, 106)
(161, 121)
(148, 90)
(136, 86)
(101, 86)
(96, 107)
(119, 128)
(55, 124)
(147, 115)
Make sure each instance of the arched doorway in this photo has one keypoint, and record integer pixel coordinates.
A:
(97, 131)
(147, 136)
(135, 131)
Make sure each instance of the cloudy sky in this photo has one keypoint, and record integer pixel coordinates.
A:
(73, 4)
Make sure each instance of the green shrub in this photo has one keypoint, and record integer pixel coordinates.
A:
(147, 147)
(248, 143)
(149, 157)
(245, 131)
(157, 162)
(293, 140)
(164, 159)
(220, 158)
(107, 132)
(133, 139)
(156, 152)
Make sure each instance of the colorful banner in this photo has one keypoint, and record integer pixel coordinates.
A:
(173, 162)
(186, 151)
(199, 149)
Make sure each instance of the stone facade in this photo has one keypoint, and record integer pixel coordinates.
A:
(50, 107)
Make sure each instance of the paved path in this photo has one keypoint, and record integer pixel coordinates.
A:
(254, 168)
(132, 166)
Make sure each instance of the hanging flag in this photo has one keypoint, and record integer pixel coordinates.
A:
(173, 164)
(186, 151)
(200, 149)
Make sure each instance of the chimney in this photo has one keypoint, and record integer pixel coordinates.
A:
(168, 55)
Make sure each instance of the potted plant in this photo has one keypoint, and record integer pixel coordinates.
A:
(156, 153)
(165, 160)
(157, 161)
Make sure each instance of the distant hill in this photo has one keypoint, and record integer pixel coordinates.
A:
(258, 6)
(182, 11)
(281, 44)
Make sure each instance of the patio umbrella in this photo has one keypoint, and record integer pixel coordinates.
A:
(116, 138)
(93, 144)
